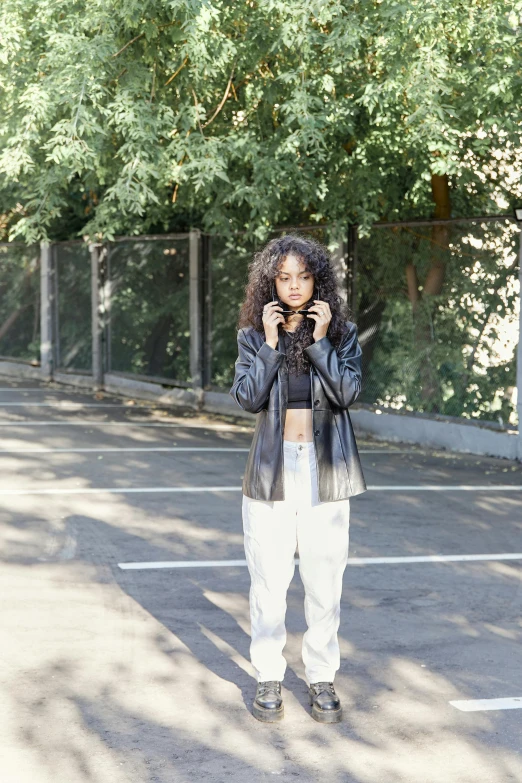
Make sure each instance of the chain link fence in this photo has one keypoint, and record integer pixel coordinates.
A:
(147, 305)
(436, 305)
(71, 276)
(438, 313)
(20, 302)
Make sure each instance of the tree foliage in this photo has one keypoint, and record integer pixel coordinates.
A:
(121, 117)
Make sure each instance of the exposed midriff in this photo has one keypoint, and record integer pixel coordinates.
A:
(298, 425)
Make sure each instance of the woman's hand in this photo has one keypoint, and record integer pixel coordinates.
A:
(271, 320)
(322, 318)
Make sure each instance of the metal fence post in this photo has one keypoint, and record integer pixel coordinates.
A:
(206, 275)
(46, 312)
(519, 349)
(195, 313)
(96, 317)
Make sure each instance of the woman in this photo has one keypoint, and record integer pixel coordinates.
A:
(298, 369)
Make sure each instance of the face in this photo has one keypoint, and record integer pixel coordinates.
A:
(294, 285)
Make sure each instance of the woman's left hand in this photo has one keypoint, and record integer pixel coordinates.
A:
(322, 318)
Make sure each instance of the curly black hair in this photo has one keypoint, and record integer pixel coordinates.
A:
(260, 289)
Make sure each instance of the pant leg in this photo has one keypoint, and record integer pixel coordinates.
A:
(323, 539)
(270, 541)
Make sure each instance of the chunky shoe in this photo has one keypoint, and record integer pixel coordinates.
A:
(326, 705)
(268, 703)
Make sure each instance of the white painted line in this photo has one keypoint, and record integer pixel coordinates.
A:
(95, 423)
(433, 559)
(449, 488)
(70, 404)
(114, 490)
(150, 490)
(183, 564)
(46, 451)
(130, 449)
(351, 561)
(477, 705)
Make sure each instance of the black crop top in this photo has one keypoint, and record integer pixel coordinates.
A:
(299, 389)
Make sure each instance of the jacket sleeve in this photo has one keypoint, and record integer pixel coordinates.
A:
(340, 371)
(254, 373)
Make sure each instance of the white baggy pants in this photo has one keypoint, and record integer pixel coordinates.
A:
(272, 531)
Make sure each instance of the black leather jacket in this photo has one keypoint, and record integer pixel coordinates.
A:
(261, 386)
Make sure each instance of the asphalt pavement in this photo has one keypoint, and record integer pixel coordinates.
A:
(125, 627)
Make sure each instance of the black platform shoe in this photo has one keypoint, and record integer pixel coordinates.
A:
(268, 703)
(326, 704)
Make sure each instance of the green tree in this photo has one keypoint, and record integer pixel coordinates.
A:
(126, 117)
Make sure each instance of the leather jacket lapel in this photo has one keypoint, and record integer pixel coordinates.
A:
(282, 375)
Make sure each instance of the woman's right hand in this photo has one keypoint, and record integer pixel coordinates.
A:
(271, 319)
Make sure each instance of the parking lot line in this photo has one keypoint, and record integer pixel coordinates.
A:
(97, 423)
(352, 561)
(130, 449)
(69, 404)
(113, 490)
(167, 490)
(477, 705)
(449, 487)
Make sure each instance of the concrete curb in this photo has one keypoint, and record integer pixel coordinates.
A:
(20, 370)
(470, 438)
(128, 387)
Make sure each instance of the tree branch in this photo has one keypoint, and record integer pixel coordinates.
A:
(222, 103)
(128, 44)
(175, 74)
(137, 38)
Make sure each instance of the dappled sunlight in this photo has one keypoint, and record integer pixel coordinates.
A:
(502, 569)
(110, 697)
(113, 675)
(500, 505)
(226, 649)
(504, 632)
(180, 469)
(121, 710)
(462, 623)
(404, 499)
(188, 531)
(182, 529)
(234, 604)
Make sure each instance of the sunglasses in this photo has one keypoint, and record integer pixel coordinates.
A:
(286, 313)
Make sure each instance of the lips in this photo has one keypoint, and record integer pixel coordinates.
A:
(295, 297)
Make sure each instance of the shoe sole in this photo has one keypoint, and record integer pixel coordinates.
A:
(268, 715)
(326, 716)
